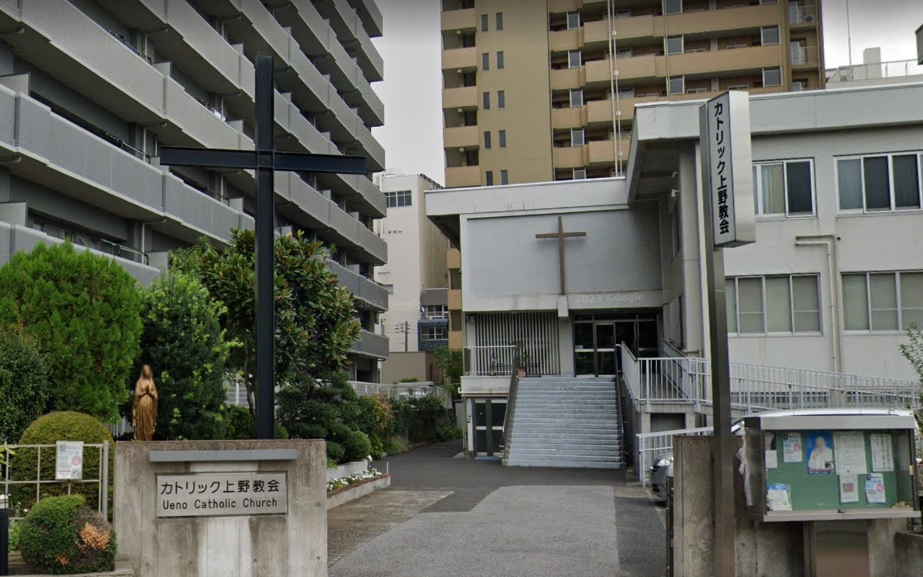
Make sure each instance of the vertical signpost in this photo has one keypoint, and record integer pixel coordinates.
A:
(728, 194)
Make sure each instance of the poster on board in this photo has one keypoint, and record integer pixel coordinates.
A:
(882, 452)
(792, 449)
(820, 453)
(850, 453)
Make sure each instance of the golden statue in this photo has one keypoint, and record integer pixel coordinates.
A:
(144, 413)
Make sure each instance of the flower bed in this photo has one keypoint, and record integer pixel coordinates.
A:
(354, 479)
(346, 489)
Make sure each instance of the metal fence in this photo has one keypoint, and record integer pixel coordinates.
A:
(395, 391)
(651, 445)
(489, 361)
(43, 453)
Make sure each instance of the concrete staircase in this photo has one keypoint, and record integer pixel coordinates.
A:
(565, 422)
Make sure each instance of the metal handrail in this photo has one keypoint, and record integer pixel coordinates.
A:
(510, 407)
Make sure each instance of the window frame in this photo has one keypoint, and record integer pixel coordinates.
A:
(572, 93)
(582, 138)
(488, 144)
(670, 79)
(893, 209)
(485, 22)
(765, 312)
(501, 60)
(504, 177)
(899, 301)
(485, 101)
(501, 99)
(499, 21)
(579, 20)
(501, 138)
(485, 61)
(578, 170)
(666, 44)
(488, 178)
(763, 30)
(758, 189)
(429, 333)
(666, 4)
(570, 59)
(771, 69)
(399, 199)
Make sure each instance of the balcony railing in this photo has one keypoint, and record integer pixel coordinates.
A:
(805, 55)
(489, 361)
(802, 14)
(877, 70)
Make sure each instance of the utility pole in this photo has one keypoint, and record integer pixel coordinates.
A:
(404, 327)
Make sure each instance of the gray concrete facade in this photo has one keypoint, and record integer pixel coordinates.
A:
(90, 89)
(284, 545)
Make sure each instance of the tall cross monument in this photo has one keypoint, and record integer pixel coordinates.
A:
(265, 160)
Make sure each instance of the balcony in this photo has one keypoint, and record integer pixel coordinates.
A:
(466, 137)
(559, 6)
(371, 345)
(465, 98)
(567, 78)
(563, 40)
(569, 117)
(804, 57)
(465, 19)
(637, 68)
(802, 16)
(570, 157)
(368, 292)
(602, 152)
(453, 258)
(460, 59)
(462, 176)
(750, 58)
(454, 299)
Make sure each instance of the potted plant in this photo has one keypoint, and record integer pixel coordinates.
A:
(522, 356)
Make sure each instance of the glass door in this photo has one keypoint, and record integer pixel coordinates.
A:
(605, 348)
(489, 415)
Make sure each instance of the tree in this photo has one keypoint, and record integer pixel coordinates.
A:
(184, 343)
(83, 313)
(24, 384)
(451, 366)
(913, 352)
(315, 317)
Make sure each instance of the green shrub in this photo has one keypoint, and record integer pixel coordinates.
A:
(15, 531)
(279, 432)
(24, 385)
(448, 432)
(395, 445)
(377, 447)
(335, 452)
(84, 313)
(240, 426)
(47, 430)
(339, 432)
(60, 535)
(357, 446)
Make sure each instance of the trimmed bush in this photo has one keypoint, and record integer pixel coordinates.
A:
(357, 446)
(395, 445)
(335, 452)
(24, 384)
(47, 430)
(60, 535)
(240, 426)
(448, 432)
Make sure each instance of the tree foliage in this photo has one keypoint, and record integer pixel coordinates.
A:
(451, 367)
(83, 313)
(24, 385)
(315, 324)
(913, 349)
(185, 345)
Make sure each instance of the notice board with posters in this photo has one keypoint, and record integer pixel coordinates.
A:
(825, 468)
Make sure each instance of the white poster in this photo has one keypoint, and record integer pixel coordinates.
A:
(875, 488)
(882, 452)
(849, 448)
(779, 497)
(792, 449)
(772, 460)
(69, 461)
(849, 488)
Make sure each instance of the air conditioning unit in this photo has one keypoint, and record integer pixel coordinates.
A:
(798, 86)
(809, 18)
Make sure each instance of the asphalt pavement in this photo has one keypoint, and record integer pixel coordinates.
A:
(446, 516)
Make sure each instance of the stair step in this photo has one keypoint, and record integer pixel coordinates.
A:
(516, 442)
(562, 464)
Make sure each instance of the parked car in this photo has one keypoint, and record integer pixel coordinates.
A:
(662, 469)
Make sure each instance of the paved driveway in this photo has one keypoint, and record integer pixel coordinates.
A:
(447, 517)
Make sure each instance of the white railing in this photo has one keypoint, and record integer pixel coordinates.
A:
(393, 391)
(664, 379)
(876, 70)
(489, 361)
(652, 445)
(802, 14)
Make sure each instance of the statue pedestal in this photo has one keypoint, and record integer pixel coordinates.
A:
(230, 508)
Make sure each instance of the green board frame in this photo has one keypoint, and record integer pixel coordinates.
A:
(821, 492)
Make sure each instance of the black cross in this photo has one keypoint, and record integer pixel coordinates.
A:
(265, 161)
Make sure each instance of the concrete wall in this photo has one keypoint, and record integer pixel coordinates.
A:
(909, 551)
(406, 365)
(270, 545)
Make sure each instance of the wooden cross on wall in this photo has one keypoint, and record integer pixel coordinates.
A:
(560, 235)
(265, 160)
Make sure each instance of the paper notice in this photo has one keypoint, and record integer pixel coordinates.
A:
(792, 449)
(849, 488)
(875, 488)
(772, 460)
(882, 452)
(850, 453)
(779, 497)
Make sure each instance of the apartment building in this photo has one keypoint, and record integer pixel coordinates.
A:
(536, 95)
(415, 276)
(90, 89)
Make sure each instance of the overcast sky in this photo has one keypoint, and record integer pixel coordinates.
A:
(412, 90)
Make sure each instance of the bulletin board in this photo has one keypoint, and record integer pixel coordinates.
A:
(844, 470)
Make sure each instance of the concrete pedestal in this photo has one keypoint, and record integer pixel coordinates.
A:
(225, 526)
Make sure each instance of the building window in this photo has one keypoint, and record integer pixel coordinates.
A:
(772, 77)
(501, 99)
(574, 59)
(487, 142)
(485, 61)
(502, 137)
(773, 304)
(882, 301)
(484, 21)
(879, 183)
(576, 98)
(486, 104)
(436, 312)
(500, 63)
(784, 188)
(436, 333)
(399, 199)
(573, 20)
(499, 20)
(577, 137)
(489, 178)
(504, 177)
(672, 6)
(676, 85)
(674, 44)
(769, 35)
(579, 174)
